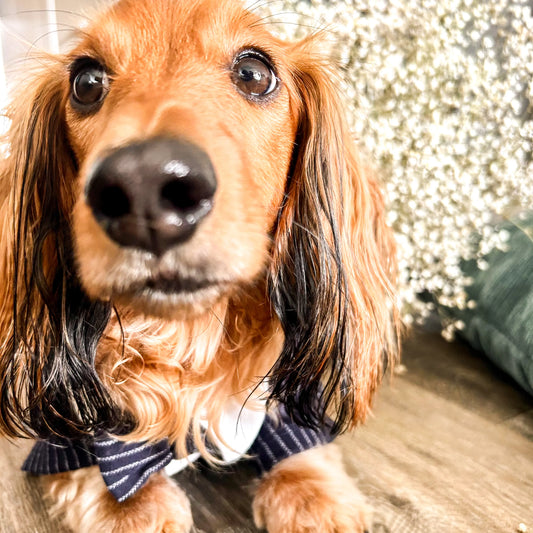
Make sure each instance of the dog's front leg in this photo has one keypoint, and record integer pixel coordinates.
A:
(86, 506)
(310, 492)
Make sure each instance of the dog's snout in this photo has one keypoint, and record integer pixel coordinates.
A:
(152, 194)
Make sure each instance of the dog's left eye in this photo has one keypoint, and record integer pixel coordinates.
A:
(90, 85)
(254, 76)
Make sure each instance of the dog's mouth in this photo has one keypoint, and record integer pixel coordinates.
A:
(170, 295)
(175, 285)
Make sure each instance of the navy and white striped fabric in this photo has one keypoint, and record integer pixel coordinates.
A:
(280, 437)
(125, 467)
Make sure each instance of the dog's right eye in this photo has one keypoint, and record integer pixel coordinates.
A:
(90, 85)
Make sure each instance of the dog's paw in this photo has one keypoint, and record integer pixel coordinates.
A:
(171, 506)
(310, 493)
(82, 500)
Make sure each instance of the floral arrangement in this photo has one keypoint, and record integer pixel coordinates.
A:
(440, 97)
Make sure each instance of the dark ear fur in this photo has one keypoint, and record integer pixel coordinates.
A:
(333, 269)
(50, 329)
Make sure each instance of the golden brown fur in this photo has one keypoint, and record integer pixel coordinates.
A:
(310, 492)
(299, 258)
(83, 501)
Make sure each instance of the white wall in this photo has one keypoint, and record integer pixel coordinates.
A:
(26, 24)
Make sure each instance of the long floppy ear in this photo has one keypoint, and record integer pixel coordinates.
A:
(49, 328)
(334, 266)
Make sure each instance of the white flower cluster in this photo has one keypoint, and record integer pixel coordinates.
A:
(441, 97)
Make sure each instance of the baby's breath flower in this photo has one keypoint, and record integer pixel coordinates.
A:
(440, 96)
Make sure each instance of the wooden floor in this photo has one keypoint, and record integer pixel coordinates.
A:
(450, 449)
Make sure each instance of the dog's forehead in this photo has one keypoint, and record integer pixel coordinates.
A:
(141, 33)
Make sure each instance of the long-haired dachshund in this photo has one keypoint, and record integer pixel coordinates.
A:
(187, 232)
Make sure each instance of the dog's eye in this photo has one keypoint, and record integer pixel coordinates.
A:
(254, 76)
(90, 85)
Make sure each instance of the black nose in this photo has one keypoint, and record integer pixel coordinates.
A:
(152, 194)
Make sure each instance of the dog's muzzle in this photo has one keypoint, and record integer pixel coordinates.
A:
(151, 195)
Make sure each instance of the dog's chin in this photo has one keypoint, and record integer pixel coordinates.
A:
(171, 300)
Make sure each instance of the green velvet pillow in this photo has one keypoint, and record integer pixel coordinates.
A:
(501, 325)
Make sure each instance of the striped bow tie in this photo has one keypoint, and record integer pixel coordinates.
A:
(126, 466)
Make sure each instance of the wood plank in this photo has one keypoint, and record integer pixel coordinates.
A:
(459, 373)
(428, 464)
(22, 509)
(221, 501)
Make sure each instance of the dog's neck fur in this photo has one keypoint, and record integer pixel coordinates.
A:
(172, 375)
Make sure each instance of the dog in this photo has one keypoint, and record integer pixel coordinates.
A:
(187, 230)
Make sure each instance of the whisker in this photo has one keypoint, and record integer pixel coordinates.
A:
(34, 53)
(259, 4)
(37, 11)
(314, 24)
(272, 15)
(33, 45)
(52, 32)
(219, 320)
(287, 23)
